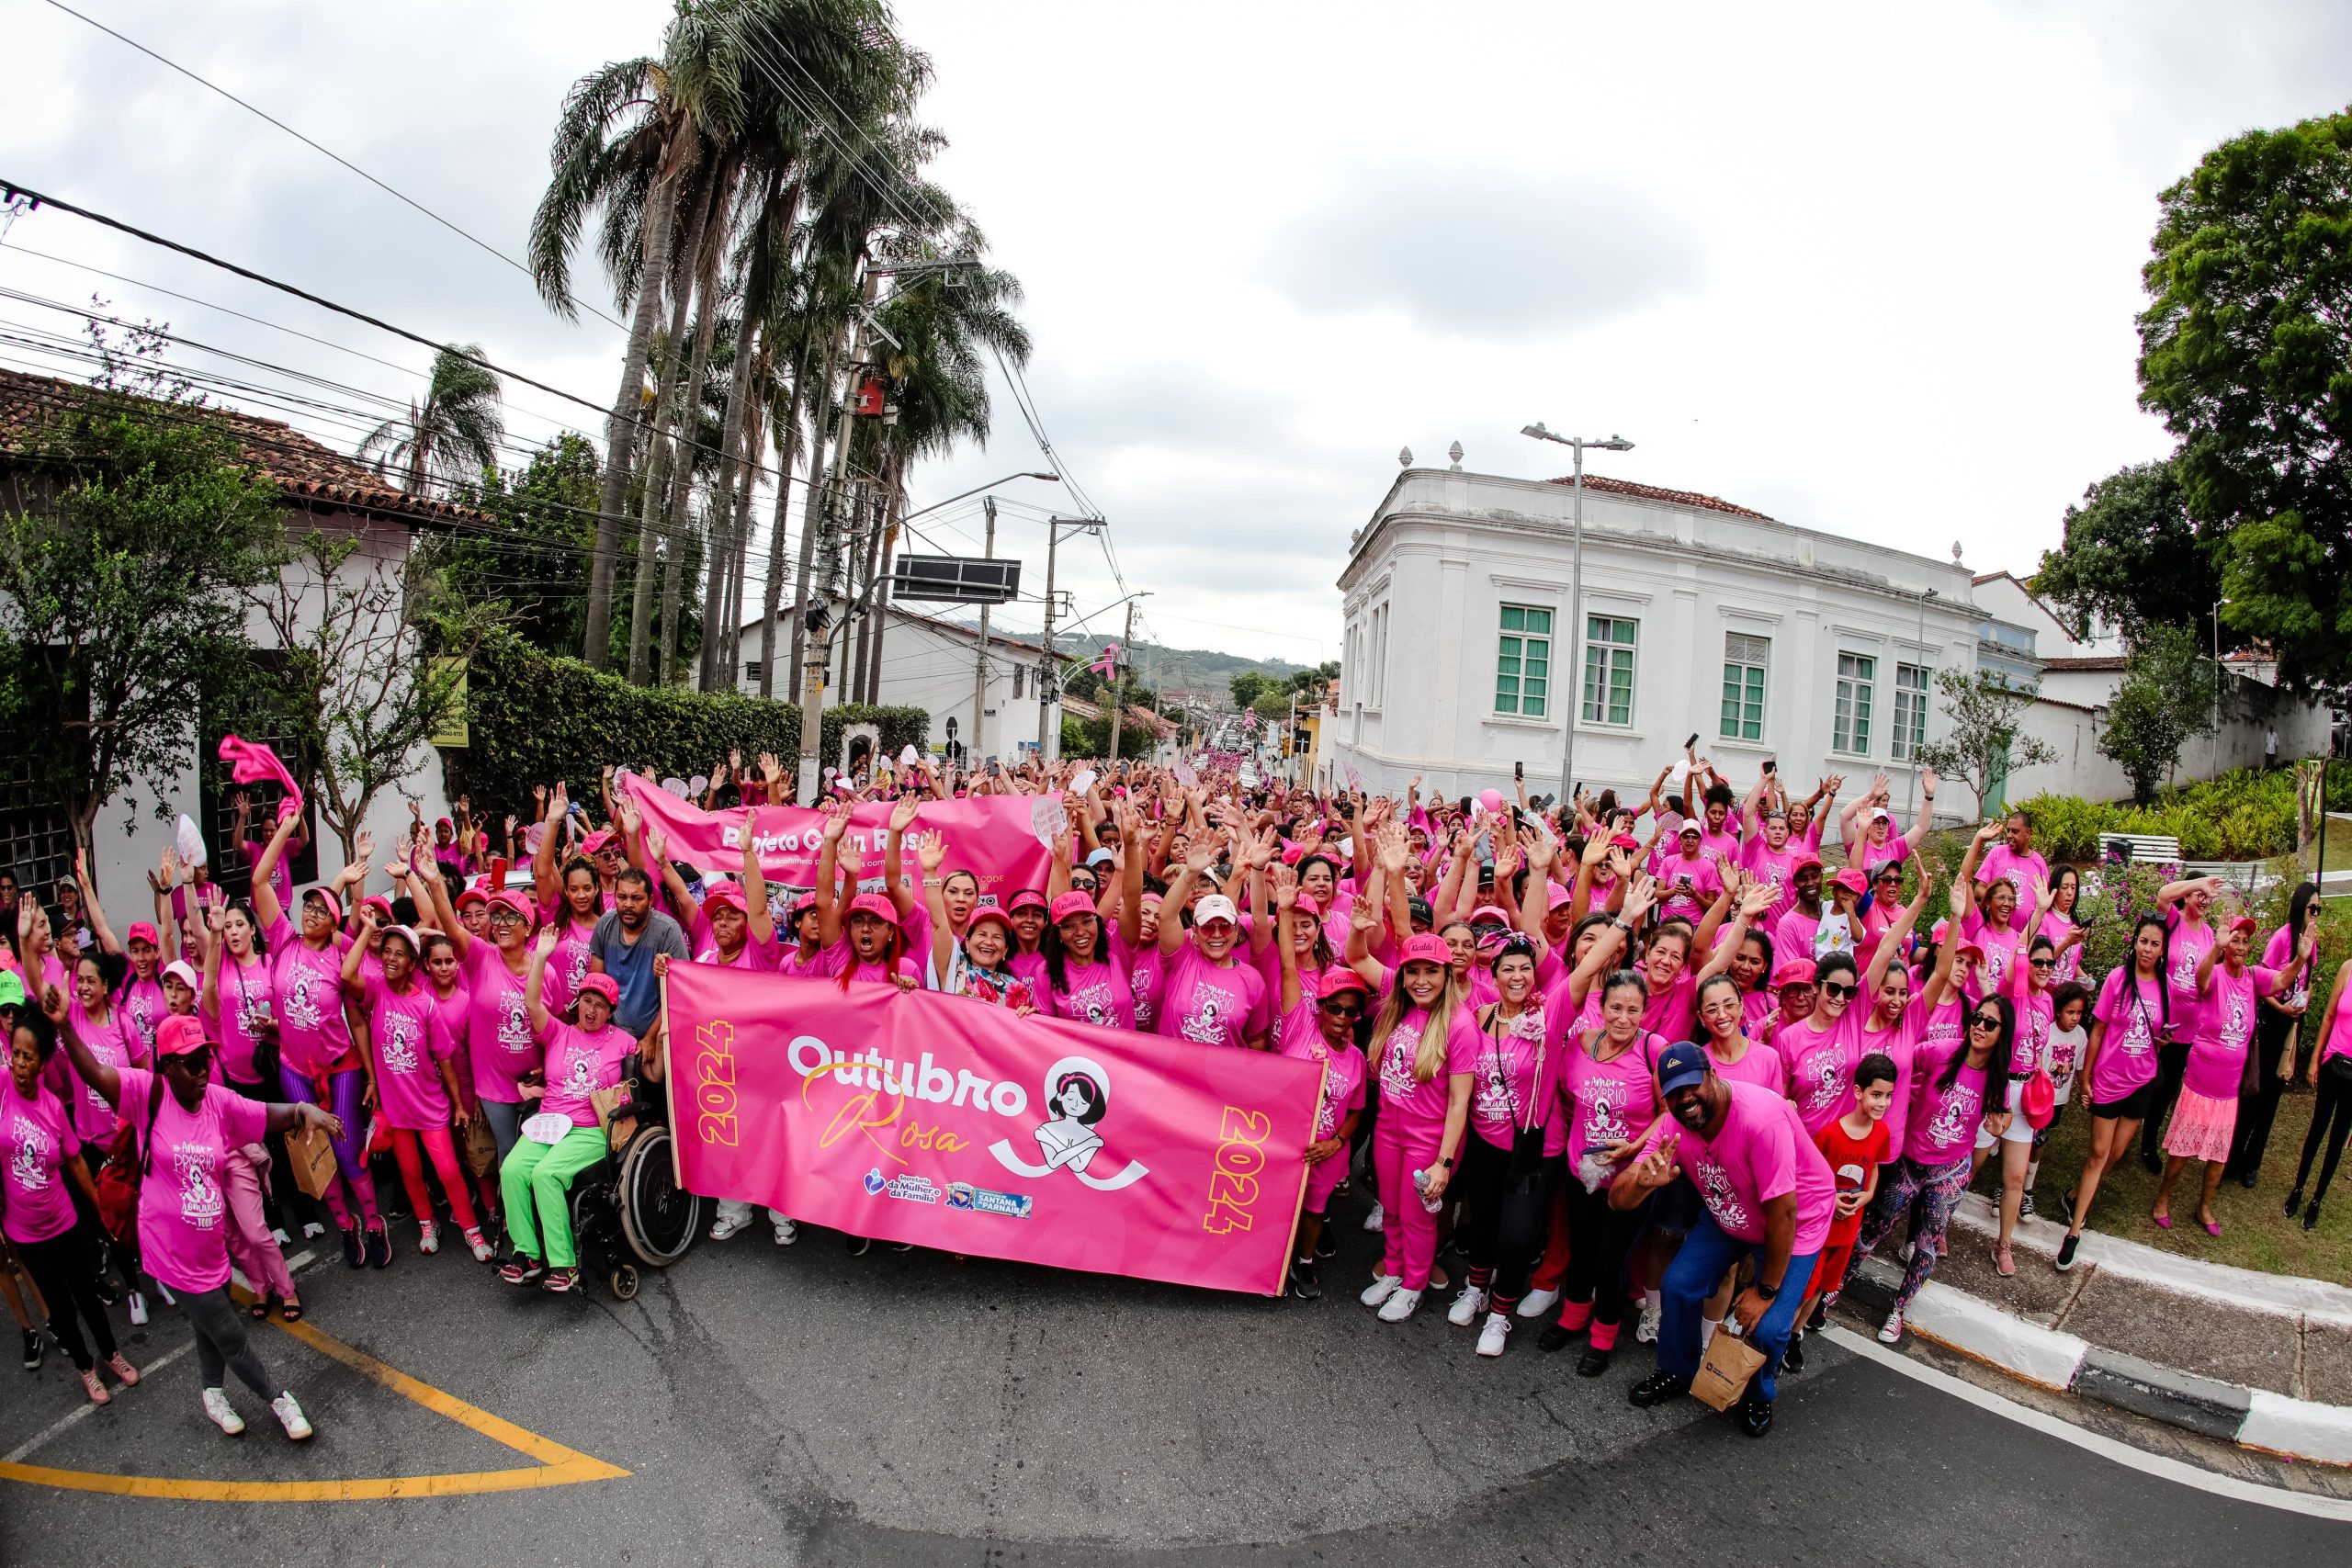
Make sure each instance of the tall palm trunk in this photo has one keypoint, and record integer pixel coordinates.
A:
(787, 453)
(665, 455)
(896, 500)
(738, 535)
(722, 553)
(620, 436)
(813, 503)
(706, 282)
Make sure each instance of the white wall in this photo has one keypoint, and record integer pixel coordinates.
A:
(930, 665)
(2249, 708)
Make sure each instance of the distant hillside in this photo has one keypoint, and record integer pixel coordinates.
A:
(1190, 670)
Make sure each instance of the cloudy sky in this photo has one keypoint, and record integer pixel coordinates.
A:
(1869, 269)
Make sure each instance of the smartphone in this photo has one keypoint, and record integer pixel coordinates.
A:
(1771, 766)
(1687, 745)
(1518, 770)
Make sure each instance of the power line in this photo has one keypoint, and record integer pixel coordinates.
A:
(263, 114)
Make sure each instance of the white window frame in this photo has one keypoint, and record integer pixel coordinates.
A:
(1593, 703)
(1740, 662)
(1850, 731)
(1528, 642)
(1914, 684)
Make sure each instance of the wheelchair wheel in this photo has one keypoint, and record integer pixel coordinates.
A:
(659, 1219)
(622, 1280)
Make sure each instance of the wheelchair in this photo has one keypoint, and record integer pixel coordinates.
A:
(628, 1208)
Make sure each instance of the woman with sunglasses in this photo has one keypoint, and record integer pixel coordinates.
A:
(2229, 988)
(1821, 1050)
(2134, 1015)
(2031, 990)
(1425, 1045)
(1901, 1009)
(1955, 1088)
(1323, 1031)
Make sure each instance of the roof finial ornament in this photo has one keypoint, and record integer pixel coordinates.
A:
(1404, 456)
(1455, 452)
(1955, 552)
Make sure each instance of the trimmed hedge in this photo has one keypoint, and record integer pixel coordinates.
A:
(535, 719)
(2244, 815)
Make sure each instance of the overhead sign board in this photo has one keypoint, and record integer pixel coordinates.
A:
(956, 580)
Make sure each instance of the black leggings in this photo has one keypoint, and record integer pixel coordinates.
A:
(220, 1342)
(1598, 1239)
(2331, 1119)
(2172, 1064)
(2259, 1108)
(1506, 1233)
(61, 1267)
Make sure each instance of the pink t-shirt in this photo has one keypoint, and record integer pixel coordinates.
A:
(1517, 1081)
(1615, 1101)
(578, 1064)
(1761, 1152)
(1145, 983)
(1869, 856)
(841, 958)
(1419, 1107)
(2023, 873)
(759, 956)
(1793, 934)
(2224, 1025)
(245, 1015)
(499, 1042)
(313, 1037)
(1670, 1013)
(1343, 1078)
(281, 880)
(1725, 847)
(2058, 927)
(410, 1042)
(2187, 949)
(1821, 1068)
(2001, 945)
(2132, 1009)
(1211, 1005)
(1779, 868)
(2339, 1031)
(1942, 1126)
(1102, 993)
(1687, 885)
(116, 1045)
(182, 1207)
(36, 1139)
(1944, 1029)
(143, 1001)
(566, 966)
(1758, 1065)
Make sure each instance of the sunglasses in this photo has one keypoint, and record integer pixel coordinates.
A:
(1985, 1021)
(1347, 1005)
(1838, 988)
(2042, 963)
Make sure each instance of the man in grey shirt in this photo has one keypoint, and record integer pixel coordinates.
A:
(625, 943)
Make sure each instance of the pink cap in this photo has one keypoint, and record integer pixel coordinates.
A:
(726, 895)
(1427, 947)
(472, 894)
(407, 934)
(1490, 913)
(1803, 861)
(325, 894)
(603, 986)
(1337, 979)
(180, 969)
(1795, 972)
(991, 912)
(1070, 904)
(143, 930)
(1968, 949)
(1852, 881)
(2243, 923)
(1028, 898)
(803, 903)
(874, 904)
(595, 843)
(379, 903)
(510, 899)
(179, 1035)
(1306, 904)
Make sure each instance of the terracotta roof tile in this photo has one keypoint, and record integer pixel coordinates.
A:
(302, 467)
(2094, 661)
(1604, 486)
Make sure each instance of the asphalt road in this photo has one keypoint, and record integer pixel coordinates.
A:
(804, 1406)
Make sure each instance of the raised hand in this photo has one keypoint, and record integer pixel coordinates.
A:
(902, 815)
(364, 846)
(1656, 1167)
(657, 846)
(1640, 898)
(1285, 887)
(931, 852)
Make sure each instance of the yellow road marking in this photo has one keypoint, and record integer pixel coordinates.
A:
(557, 1465)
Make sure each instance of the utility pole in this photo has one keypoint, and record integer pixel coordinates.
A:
(1119, 678)
(1048, 673)
(826, 585)
(980, 667)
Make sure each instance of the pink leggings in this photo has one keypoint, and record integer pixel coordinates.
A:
(1408, 1234)
(445, 1165)
(251, 1246)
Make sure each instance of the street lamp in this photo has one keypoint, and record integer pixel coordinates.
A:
(973, 492)
(1576, 593)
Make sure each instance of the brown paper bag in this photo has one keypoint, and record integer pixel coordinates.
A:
(1723, 1377)
(481, 1145)
(615, 1115)
(310, 1155)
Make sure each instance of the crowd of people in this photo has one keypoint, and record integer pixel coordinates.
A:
(1597, 1065)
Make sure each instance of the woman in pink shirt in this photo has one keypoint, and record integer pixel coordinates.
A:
(497, 1048)
(1821, 1051)
(1208, 995)
(189, 1128)
(2220, 1051)
(536, 1180)
(1723, 1021)
(416, 1081)
(40, 1156)
(1608, 1075)
(2185, 906)
(2132, 1016)
(1424, 1047)
(1899, 1009)
(2331, 1080)
(1323, 1030)
(139, 992)
(571, 899)
(238, 1004)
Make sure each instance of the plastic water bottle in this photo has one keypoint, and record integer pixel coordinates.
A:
(1421, 1185)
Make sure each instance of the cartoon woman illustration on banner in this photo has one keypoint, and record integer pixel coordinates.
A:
(1078, 1094)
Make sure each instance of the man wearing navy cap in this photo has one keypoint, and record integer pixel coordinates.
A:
(1770, 1197)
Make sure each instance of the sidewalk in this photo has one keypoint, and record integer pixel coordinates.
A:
(2260, 1360)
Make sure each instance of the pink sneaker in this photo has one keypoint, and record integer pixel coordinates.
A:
(480, 1245)
(96, 1389)
(119, 1365)
(2005, 1260)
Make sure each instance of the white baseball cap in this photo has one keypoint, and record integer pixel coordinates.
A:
(1216, 907)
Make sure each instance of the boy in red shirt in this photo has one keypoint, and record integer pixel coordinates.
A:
(1854, 1145)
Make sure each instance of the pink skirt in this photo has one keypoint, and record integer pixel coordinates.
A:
(2201, 1127)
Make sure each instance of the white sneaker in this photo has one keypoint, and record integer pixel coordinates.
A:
(1399, 1305)
(428, 1237)
(138, 1300)
(290, 1415)
(1466, 1307)
(1646, 1331)
(1374, 1220)
(313, 1230)
(1492, 1338)
(787, 1233)
(727, 1225)
(1892, 1329)
(1382, 1287)
(1535, 1304)
(277, 1233)
(225, 1415)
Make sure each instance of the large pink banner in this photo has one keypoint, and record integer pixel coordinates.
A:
(1003, 840)
(917, 1117)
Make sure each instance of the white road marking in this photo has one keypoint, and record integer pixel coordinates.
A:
(2178, 1472)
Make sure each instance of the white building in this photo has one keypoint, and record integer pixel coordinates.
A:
(933, 664)
(1768, 641)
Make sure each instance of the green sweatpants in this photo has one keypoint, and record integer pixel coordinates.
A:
(536, 1183)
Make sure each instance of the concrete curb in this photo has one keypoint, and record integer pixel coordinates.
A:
(2253, 1418)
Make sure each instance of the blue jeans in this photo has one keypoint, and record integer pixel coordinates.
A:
(1706, 1255)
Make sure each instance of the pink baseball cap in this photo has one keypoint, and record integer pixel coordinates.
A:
(472, 894)
(803, 903)
(1073, 903)
(874, 904)
(1306, 904)
(510, 899)
(603, 986)
(325, 894)
(1852, 881)
(143, 930)
(180, 969)
(1028, 898)
(595, 843)
(1799, 863)
(1490, 913)
(179, 1035)
(378, 902)
(1427, 947)
(726, 895)
(991, 912)
(408, 934)
(2245, 923)
(1795, 972)
(1337, 979)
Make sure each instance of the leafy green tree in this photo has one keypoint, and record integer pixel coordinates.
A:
(450, 436)
(2165, 698)
(2132, 557)
(1249, 686)
(533, 563)
(1982, 744)
(132, 530)
(2246, 353)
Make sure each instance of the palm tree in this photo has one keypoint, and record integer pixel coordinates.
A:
(453, 434)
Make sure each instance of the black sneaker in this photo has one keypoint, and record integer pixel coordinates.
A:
(1302, 1283)
(2311, 1216)
(1755, 1417)
(2067, 1206)
(1593, 1362)
(379, 1247)
(1792, 1358)
(1554, 1338)
(34, 1349)
(2066, 1252)
(2294, 1201)
(561, 1282)
(352, 1253)
(2025, 1205)
(1657, 1389)
(2246, 1181)
(523, 1269)
(1820, 1318)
